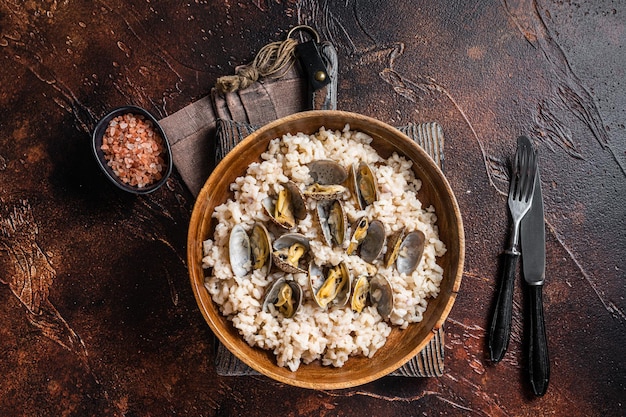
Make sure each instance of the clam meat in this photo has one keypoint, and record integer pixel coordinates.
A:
(360, 293)
(298, 206)
(289, 252)
(325, 192)
(335, 289)
(393, 248)
(260, 247)
(288, 206)
(359, 233)
(283, 212)
(285, 296)
(364, 184)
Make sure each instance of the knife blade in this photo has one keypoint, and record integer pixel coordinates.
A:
(533, 241)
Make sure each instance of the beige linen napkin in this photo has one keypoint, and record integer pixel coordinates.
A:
(204, 131)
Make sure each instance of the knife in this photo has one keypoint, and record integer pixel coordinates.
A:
(533, 267)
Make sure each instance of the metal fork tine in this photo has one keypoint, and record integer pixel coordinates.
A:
(515, 174)
(533, 173)
(530, 175)
(523, 174)
(526, 176)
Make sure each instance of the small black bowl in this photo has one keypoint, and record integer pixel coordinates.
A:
(98, 133)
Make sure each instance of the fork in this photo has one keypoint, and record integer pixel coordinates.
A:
(521, 190)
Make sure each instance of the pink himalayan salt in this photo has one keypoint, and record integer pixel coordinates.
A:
(134, 150)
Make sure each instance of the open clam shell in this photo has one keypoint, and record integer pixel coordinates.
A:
(364, 184)
(381, 295)
(410, 253)
(326, 172)
(334, 288)
(290, 252)
(260, 247)
(287, 207)
(239, 252)
(393, 249)
(285, 296)
(360, 292)
(374, 241)
(359, 232)
(332, 220)
(297, 200)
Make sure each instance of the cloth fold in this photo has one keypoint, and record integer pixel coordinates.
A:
(191, 130)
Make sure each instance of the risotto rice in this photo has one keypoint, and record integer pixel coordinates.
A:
(335, 334)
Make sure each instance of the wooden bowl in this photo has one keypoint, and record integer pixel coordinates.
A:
(401, 345)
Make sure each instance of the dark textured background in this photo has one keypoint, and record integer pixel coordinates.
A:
(97, 314)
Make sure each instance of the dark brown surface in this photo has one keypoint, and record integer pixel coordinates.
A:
(98, 317)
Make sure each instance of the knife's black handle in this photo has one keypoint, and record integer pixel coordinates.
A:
(538, 360)
(500, 329)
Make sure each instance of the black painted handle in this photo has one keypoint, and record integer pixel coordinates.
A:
(500, 330)
(538, 360)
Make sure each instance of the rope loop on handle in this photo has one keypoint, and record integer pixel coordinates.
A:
(274, 60)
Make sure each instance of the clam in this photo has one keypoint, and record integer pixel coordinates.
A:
(405, 249)
(359, 233)
(328, 177)
(288, 206)
(332, 219)
(364, 183)
(325, 192)
(297, 200)
(374, 241)
(394, 247)
(410, 253)
(239, 251)
(381, 295)
(335, 288)
(285, 296)
(326, 172)
(249, 252)
(359, 293)
(260, 247)
(289, 252)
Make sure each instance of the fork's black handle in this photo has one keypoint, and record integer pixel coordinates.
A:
(538, 360)
(500, 330)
